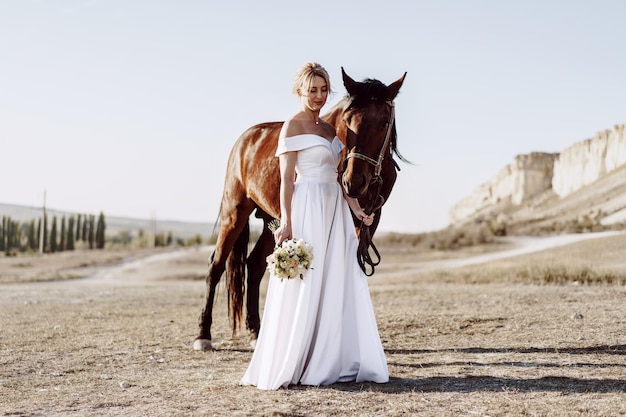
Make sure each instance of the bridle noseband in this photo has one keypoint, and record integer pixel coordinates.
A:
(375, 202)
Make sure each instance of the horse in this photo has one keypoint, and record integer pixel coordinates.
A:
(365, 122)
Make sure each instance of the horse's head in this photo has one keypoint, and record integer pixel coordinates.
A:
(369, 120)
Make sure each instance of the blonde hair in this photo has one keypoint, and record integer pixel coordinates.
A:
(306, 74)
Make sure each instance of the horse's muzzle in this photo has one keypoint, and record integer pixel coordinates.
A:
(355, 187)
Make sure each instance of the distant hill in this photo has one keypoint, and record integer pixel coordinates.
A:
(582, 188)
(114, 224)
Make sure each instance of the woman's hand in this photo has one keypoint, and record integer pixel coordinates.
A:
(282, 233)
(367, 220)
(358, 211)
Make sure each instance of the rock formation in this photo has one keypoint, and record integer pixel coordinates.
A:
(533, 175)
(585, 162)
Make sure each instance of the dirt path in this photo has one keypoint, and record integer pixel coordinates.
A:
(522, 245)
(191, 263)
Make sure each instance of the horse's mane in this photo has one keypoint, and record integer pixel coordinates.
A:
(373, 90)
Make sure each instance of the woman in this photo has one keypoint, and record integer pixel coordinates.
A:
(321, 329)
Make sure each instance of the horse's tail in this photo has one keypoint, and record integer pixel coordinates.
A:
(236, 277)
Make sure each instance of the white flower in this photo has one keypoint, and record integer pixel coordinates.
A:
(291, 259)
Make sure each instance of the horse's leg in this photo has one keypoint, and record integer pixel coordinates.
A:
(233, 218)
(256, 270)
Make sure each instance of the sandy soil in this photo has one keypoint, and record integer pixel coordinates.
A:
(117, 342)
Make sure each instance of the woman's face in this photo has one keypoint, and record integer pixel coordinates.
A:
(315, 98)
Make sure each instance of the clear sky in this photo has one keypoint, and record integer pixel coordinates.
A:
(131, 107)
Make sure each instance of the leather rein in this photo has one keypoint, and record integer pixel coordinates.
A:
(375, 202)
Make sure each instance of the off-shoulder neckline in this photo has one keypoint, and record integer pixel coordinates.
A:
(313, 134)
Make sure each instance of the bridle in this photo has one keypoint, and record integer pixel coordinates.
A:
(378, 164)
(376, 200)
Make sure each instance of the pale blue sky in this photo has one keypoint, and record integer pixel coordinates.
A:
(131, 107)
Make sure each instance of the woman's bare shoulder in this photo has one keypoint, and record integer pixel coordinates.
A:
(293, 127)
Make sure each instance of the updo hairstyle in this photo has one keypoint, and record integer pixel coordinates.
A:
(306, 74)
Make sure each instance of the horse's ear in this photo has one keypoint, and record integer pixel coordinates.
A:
(349, 83)
(394, 88)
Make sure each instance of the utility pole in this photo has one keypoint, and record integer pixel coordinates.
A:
(43, 224)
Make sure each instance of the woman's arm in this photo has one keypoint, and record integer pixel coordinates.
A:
(357, 210)
(287, 178)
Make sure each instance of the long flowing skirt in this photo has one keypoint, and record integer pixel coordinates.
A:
(322, 329)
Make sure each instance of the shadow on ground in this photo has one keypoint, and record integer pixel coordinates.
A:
(480, 383)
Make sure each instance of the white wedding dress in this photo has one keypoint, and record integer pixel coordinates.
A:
(322, 329)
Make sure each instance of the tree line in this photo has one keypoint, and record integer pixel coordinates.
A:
(29, 236)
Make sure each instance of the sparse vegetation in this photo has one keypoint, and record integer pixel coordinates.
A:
(533, 274)
(484, 231)
(451, 238)
(564, 275)
(492, 340)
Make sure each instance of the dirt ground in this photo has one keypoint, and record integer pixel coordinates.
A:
(119, 342)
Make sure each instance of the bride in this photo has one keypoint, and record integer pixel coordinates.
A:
(321, 329)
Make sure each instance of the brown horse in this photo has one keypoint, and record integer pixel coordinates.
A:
(365, 123)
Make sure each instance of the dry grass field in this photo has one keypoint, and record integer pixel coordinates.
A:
(541, 334)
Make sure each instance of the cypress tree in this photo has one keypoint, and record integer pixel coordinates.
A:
(91, 230)
(100, 232)
(78, 227)
(38, 232)
(46, 246)
(19, 232)
(70, 233)
(8, 235)
(53, 235)
(83, 236)
(2, 234)
(62, 243)
(32, 239)
(12, 235)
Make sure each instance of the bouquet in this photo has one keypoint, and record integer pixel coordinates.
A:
(290, 259)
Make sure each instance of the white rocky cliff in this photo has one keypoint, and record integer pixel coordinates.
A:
(531, 175)
(585, 162)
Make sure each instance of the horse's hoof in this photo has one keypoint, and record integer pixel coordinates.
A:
(252, 337)
(202, 344)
